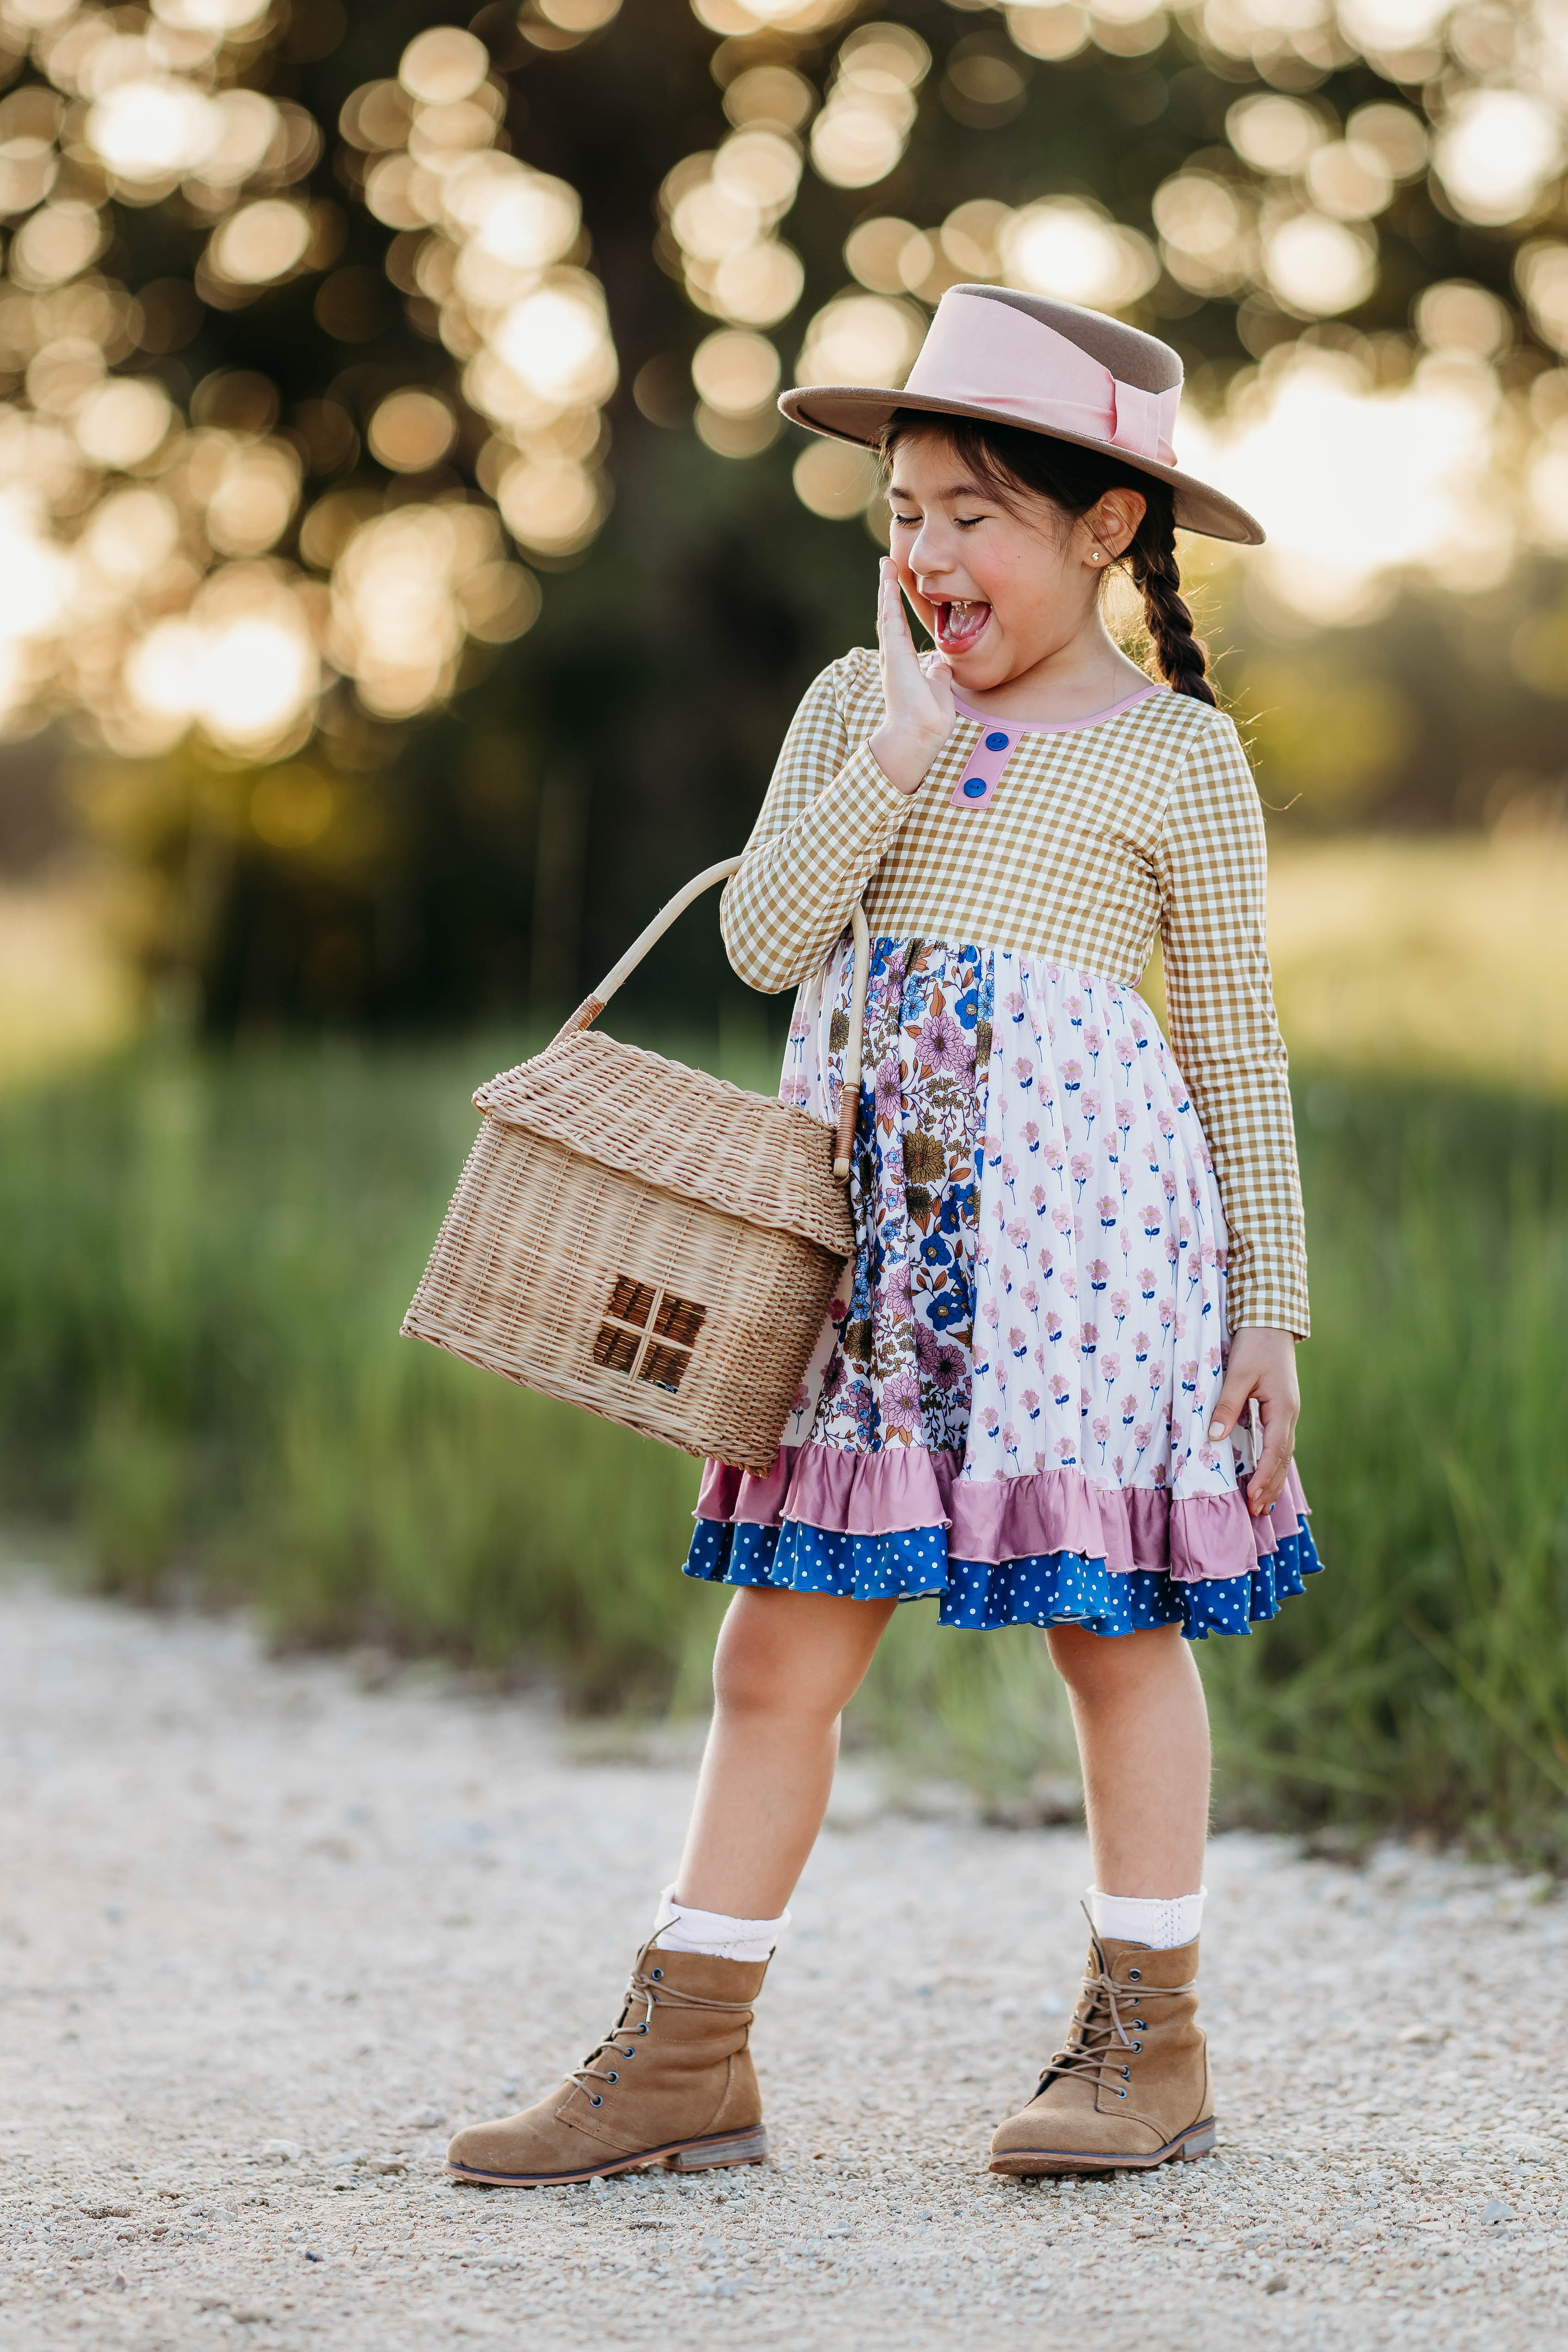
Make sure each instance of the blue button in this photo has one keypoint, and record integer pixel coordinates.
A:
(974, 788)
(995, 742)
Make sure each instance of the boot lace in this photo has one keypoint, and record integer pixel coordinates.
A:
(650, 1987)
(1101, 2043)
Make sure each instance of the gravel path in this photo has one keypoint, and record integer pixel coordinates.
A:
(264, 1932)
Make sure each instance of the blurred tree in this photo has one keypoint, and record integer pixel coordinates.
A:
(395, 514)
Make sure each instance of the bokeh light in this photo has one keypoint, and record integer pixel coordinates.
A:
(1496, 151)
(774, 95)
(861, 339)
(1541, 271)
(443, 66)
(1456, 316)
(412, 431)
(1274, 133)
(261, 242)
(123, 422)
(836, 480)
(551, 504)
(1056, 30)
(149, 582)
(1395, 134)
(1400, 481)
(1205, 228)
(865, 124)
(179, 510)
(579, 16)
(242, 663)
(1349, 180)
(735, 371)
(1072, 249)
(721, 210)
(1318, 267)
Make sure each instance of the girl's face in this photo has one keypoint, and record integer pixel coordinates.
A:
(1002, 587)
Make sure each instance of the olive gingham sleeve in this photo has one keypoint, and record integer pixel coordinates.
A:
(827, 820)
(1219, 997)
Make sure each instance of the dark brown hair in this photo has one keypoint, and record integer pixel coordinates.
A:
(1008, 459)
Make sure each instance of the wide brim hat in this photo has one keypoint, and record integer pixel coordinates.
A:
(1047, 367)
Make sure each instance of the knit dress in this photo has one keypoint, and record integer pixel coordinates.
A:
(1059, 1218)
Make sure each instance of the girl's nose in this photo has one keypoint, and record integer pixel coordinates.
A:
(929, 557)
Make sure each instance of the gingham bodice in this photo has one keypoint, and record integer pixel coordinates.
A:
(1084, 844)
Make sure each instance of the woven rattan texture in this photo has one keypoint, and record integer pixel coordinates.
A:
(595, 1285)
(691, 1134)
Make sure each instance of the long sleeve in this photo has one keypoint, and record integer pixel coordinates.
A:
(828, 818)
(1212, 869)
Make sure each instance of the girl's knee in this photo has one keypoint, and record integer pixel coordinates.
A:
(749, 1679)
(779, 1655)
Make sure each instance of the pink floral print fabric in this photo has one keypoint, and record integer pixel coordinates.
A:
(1039, 1284)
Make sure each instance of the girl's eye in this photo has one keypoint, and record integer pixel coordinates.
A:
(906, 522)
(968, 522)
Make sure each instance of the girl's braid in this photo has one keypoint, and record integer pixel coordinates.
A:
(1151, 559)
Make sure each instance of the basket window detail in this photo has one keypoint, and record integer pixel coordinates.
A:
(647, 1334)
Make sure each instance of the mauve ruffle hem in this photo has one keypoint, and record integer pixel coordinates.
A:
(1043, 1549)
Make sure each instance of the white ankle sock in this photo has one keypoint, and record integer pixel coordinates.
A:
(1160, 1921)
(715, 1933)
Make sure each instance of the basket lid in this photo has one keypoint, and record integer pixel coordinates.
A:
(750, 1156)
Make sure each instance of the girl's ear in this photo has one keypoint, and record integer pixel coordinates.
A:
(1114, 518)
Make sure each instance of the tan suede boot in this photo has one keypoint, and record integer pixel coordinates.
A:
(673, 2083)
(1129, 2087)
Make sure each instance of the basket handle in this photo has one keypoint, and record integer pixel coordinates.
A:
(849, 1099)
(593, 1005)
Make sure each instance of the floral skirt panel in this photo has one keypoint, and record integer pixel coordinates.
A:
(1007, 1408)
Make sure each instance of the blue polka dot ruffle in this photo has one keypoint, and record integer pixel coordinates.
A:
(1057, 1588)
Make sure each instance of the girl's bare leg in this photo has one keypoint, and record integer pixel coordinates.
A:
(786, 1666)
(1144, 1738)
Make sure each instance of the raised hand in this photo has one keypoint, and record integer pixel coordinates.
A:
(919, 703)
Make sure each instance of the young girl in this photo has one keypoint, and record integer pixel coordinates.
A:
(1079, 1274)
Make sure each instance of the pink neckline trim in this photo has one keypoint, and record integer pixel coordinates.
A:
(1058, 726)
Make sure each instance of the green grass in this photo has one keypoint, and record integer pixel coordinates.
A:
(201, 1378)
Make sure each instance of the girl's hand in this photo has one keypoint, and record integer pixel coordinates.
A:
(920, 707)
(1262, 1365)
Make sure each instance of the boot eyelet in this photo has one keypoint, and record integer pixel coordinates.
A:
(596, 2099)
(658, 1975)
(616, 2078)
(1121, 2095)
(1134, 1975)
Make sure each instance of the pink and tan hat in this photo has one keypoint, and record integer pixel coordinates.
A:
(1050, 367)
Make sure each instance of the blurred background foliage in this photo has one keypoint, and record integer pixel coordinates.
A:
(405, 577)
(202, 1378)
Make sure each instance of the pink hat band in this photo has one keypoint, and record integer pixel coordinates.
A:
(980, 353)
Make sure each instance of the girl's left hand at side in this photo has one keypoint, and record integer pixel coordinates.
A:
(1263, 1365)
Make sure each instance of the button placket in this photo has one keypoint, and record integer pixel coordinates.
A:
(982, 771)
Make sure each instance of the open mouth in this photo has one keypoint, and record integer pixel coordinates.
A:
(960, 624)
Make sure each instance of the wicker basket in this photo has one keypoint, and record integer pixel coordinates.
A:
(645, 1240)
